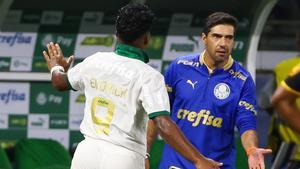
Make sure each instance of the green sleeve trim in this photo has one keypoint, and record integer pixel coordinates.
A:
(69, 86)
(159, 113)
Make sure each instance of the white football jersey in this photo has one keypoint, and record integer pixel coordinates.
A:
(120, 93)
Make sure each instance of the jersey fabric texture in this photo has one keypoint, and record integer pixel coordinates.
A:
(207, 107)
(121, 91)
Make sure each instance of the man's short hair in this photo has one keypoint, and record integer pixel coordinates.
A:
(218, 18)
(133, 20)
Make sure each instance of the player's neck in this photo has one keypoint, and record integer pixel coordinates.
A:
(140, 42)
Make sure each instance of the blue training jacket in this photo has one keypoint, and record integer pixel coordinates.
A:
(207, 107)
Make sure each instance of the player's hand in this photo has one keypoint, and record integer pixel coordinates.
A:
(208, 163)
(256, 157)
(54, 57)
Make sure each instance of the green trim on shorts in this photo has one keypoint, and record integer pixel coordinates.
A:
(159, 113)
(69, 86)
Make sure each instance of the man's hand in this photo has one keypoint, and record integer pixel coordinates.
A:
(256, 157)
(207, 163)
(55, 57)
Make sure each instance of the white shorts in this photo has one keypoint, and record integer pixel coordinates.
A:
(99, 154)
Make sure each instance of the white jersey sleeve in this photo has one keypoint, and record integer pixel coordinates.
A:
(154, 95)
(75, 77)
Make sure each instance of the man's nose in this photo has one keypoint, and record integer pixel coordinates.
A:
(222, 42)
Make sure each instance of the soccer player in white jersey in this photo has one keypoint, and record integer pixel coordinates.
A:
(122, 93)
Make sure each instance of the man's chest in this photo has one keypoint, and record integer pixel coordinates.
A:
(218, 90)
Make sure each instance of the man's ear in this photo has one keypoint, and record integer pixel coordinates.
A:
(147, 38)
(203, 37)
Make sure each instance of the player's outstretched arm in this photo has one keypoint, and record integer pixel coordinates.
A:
(151, 136)
(175, 138)
(57, 65)
(255, 154)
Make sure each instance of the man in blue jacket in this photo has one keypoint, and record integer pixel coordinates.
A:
(210, 94)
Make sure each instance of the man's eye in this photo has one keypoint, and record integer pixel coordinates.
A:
(229, 37)
(216, 36)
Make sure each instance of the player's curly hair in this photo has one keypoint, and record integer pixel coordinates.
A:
(133, 20)
(218, 18)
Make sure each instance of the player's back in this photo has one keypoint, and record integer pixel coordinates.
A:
(113, 111)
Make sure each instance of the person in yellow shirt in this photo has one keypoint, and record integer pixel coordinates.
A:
(287, 103)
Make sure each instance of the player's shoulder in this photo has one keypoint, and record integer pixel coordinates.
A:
(238, 70)
(190, 58)
(144, 73)
(288, 64)
(151, 71)
(138, 65)
(187, 60)
(98, 57)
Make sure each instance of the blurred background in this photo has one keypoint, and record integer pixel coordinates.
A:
(30, 108)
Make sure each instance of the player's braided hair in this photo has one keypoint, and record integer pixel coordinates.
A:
(218, 18)
(133, 20)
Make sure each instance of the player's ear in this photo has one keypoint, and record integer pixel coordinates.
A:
(147, 37)
(203, 37)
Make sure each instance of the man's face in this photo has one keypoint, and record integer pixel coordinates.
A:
(219, 43)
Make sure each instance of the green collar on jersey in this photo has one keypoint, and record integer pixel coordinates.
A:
(131, 52)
